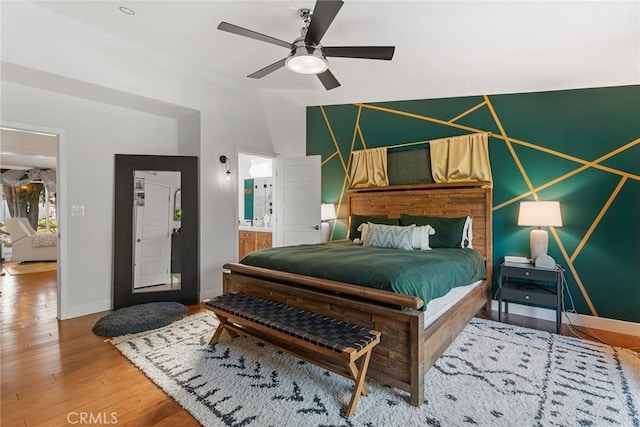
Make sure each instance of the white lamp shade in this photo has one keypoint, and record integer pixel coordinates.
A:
(540, 214)
(327, 211)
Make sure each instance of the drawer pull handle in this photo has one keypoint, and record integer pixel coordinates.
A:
(526, 273)
(526, 297)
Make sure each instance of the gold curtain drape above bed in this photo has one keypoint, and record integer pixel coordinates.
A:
(369, 168)
(461, 158)
(453, 159)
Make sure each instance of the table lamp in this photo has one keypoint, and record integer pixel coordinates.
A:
(327, 213)
(539, 214)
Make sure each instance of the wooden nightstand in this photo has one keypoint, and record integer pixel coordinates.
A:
(526, 283)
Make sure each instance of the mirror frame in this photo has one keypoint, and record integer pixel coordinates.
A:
(125, 165)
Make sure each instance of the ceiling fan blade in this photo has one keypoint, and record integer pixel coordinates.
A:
(230, 28)
(366, 52)
(323, 14)
(328, 80)
(268, 69)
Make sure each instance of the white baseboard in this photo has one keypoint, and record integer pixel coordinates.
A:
(603, 323)
(70, 312)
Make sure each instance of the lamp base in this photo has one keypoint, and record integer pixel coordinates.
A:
(324, 232)
(539, 242)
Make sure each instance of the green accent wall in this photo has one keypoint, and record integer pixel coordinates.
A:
(581, 147)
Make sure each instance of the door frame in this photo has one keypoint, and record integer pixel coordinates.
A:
(61, 213)
(236, 188)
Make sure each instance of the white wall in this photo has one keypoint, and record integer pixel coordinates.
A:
(43, 50)
(94, 133)
(287, 123)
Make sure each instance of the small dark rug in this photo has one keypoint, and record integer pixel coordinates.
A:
(139, 318)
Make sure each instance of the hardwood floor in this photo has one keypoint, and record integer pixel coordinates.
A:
(55, 372)
(619, 340)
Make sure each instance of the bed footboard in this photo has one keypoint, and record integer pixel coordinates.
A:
(406, 350)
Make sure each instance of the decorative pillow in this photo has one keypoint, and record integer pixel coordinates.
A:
(356, 220)
(421, 237)
(409, 166)
(44, 239)
(390, 236)
(450, 232)
(364, 234)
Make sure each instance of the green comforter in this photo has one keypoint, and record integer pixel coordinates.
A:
(426, 274)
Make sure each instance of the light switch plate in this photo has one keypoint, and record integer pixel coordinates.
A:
(77, 210)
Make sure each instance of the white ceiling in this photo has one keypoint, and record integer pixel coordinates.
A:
(26, 150)
(443, 48)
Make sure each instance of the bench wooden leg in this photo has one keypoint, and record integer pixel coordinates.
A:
(354, 374)
(222, 327)
(359, 385)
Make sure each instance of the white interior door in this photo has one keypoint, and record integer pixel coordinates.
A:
(152, 238)
(297, 200)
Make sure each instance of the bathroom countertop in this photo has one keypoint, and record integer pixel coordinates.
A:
(255, 228)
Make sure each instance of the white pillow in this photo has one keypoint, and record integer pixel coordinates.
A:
(467, 234)
(364, 234)
(420, 237)
(390, 236)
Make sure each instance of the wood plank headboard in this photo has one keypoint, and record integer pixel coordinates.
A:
(444, 200)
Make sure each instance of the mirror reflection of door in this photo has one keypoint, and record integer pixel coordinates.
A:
(156, 231)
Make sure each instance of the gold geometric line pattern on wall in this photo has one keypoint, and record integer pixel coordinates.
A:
(335, 153)
(574, 272)
(595, 223)
(576, 171)
(469, 111)
(364, 144)
(541, 187)
(509, 142)
(532, 191)
(421, 117)
(333, 137)
(595, 163)
(506, 139)
(347, 176)
(356, 130)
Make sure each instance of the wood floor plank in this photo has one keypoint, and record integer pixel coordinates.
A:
(52, 369)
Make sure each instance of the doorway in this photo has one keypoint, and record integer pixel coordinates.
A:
(256, 197)
(30, 153)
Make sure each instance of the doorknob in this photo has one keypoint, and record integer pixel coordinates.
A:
(315, 227)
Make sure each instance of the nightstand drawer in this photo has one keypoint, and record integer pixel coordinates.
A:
(524, 292)
(525, 272)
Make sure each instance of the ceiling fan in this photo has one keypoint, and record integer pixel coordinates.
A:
(307, 55)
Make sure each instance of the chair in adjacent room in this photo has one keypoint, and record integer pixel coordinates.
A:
(28, 245)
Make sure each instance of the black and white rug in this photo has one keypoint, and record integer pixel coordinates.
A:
(493, 375)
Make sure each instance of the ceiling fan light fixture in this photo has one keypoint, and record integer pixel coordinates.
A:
(303, 62)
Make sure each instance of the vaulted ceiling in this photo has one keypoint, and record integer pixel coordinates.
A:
(443, 48)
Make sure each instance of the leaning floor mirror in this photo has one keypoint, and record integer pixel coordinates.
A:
(156, 243)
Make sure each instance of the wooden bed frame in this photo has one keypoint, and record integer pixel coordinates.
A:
(406, 350)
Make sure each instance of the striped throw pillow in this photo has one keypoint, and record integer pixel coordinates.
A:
(390, 236)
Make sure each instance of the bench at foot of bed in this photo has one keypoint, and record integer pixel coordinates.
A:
(329, 343)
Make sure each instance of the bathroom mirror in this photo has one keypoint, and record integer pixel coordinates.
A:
(155, 230)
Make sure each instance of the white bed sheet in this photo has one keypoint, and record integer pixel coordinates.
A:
(437, 307)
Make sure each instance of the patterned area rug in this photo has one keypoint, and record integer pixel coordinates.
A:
(492, 375)
(29, 267)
